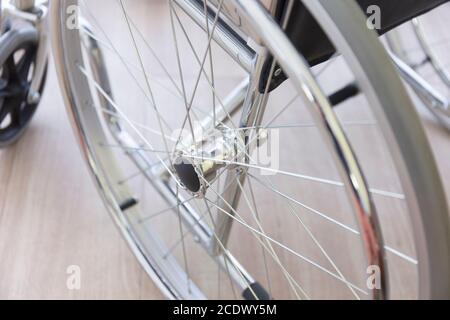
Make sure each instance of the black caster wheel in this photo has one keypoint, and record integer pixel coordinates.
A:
(18, 51)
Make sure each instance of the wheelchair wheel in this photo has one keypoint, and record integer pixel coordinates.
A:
(315, 190)
(424, 44)
(18, 48)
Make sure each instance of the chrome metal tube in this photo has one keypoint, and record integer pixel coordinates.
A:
(223, 36)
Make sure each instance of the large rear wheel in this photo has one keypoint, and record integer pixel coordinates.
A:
(225, 190)
(423, 46)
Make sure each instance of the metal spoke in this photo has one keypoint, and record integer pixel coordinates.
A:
(192, 198)
(205, 5)
(111, 101)
(308, 208)
(161, 212)
(321, 248)
(290, 103)
(254, 209)
(141, 62)
(180, 70)
(201, 68)
(257, 232)
(184, 235)
(208, 80)
(134, 149)
(296, 175)
(307, 125)
(137, 124)
(326, 217)
(128, 64)
(124, 62)
(269, 247)
(183, 244)
(279, 244)
(141, 171)
(226, 252)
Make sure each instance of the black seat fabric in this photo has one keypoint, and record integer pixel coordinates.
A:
(312, 42)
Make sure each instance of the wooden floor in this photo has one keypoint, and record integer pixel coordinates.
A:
(51, 217)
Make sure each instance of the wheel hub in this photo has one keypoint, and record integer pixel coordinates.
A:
(197, 166)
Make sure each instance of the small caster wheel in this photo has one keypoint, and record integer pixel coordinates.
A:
(18, 51)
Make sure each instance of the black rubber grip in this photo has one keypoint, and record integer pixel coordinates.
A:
(347, 92)
(128, 204)
(256, 292)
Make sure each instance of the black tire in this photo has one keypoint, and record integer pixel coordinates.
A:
(15, 81)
